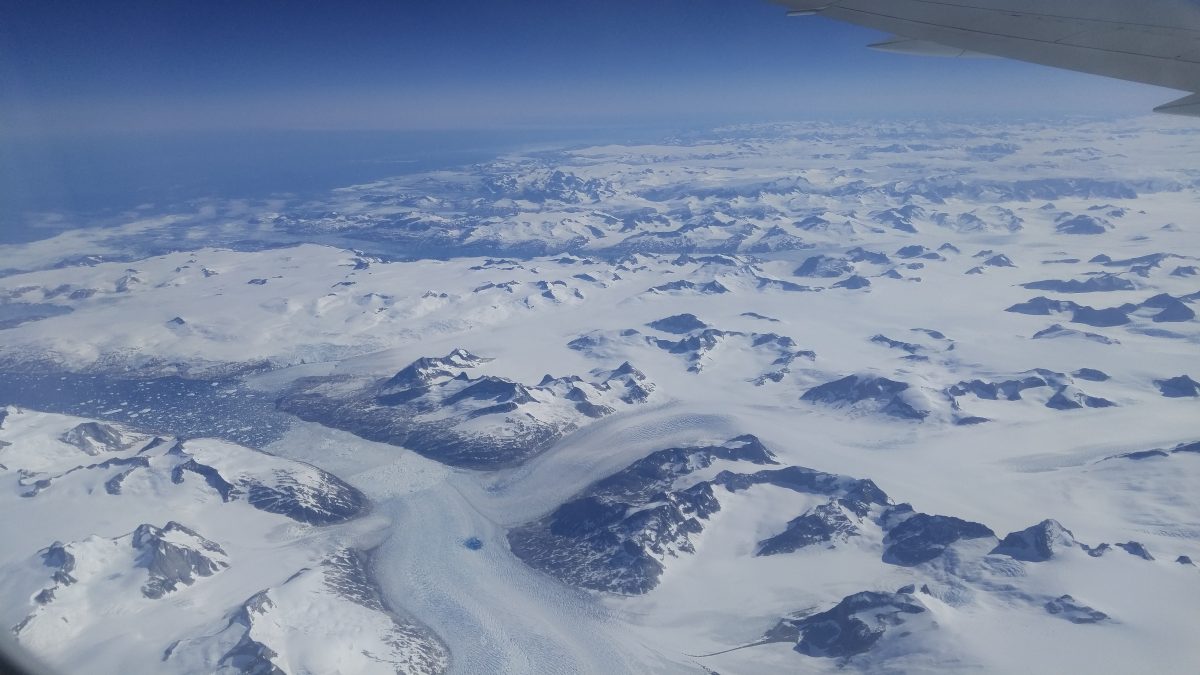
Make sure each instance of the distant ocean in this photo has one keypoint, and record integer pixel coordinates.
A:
(93, 179)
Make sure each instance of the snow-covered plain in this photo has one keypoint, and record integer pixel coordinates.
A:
(994, 324)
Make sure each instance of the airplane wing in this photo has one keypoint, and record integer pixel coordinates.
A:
(1151, 41)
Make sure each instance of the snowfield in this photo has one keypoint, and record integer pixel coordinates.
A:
(268, 546)
(905, 397)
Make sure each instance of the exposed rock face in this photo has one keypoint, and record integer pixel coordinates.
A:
(306, 495)
(302, 492)
(299, 491)
(851, 627)
(1178, 387)
(261, 636)
(909, 347)
(1057, 331)
(918, 251)
(1066, 395)
(428, 370)
(883, 395)
(696, 346)
(901, 218)
(1006, 390)
(822, 524)
(860, 254)
(1042, 306)
(1173, 309)
(95, 438)
(174, 574)
(1194, 446)
(434, 408)
(853, 282)
(678, 324)
(920, 537)
(1037, 543)
(1141, 454)
(615, 535)
(857, 495)
(175, 555)
(1082, 224)
(1099, 283)
(1165, 308)
(851, 502)
(1101, 318)
(1071, 398)
(161, 560)
(1091, 374)
(1136, 549)
(1074, 611)
(708, 288)
(210, 475)
(57, 557)
(550, 184)
(824, 266)
(700, 345)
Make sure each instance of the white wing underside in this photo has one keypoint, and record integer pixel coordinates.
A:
(1152, 41)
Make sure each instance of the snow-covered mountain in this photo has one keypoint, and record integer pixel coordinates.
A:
(253, 521)
(889, 397)
(273, 631)
(434, 407)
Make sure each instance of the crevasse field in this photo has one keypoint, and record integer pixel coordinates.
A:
(888, 397)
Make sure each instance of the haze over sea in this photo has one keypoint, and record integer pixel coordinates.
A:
(50, 184)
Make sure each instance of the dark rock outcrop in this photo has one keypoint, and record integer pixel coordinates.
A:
(614, 536)
(1081, 224)
(1178, 387)
(921, 537)
(1037, 543)
(436, 409)
(822, 524)
(95, 438)
(1093, 284)
(885, 394)
(678, 324)
(851, 627)
(1074, 611)
(822, 266)
(854, 282)
(1136, 549)
(174, 555)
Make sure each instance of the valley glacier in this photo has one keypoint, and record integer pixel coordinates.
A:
(889, 397)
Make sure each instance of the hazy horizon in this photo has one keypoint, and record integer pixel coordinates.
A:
(140, 67)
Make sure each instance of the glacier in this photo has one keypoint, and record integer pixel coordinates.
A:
(897, 396)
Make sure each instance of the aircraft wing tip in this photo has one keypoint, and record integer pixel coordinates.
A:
(1188, 105)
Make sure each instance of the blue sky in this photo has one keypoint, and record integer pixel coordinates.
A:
(417, 64)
